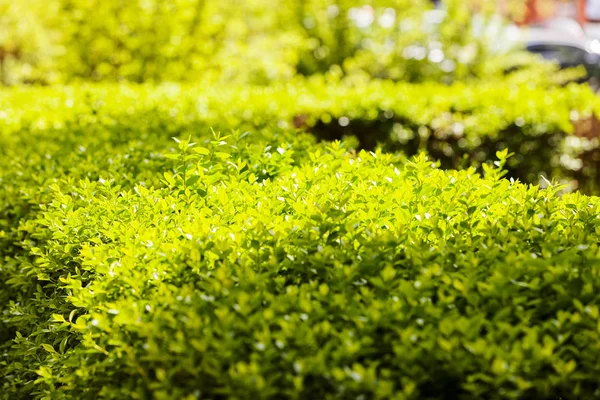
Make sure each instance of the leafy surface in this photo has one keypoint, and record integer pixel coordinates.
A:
(265, 265)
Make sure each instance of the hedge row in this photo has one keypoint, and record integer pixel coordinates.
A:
(266, 265)
(340, 276)
(552, 131)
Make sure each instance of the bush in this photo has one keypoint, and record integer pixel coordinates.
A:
(49, 41)
(265, 265)
(340, 276)
(459, 125)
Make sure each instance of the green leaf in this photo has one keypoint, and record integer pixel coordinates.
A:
(201, 150)
(191, 181)
(63, 344)
(58, 318)
(48, 348)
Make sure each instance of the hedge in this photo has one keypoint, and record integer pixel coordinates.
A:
(548, 129)
(263, 264)
(54, 41)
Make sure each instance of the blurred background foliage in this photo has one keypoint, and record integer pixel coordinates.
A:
(61, 41)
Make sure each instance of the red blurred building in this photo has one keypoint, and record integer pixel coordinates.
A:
(581, 10)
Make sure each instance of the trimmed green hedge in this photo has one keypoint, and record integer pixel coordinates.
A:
(459, 125)
(266, 265)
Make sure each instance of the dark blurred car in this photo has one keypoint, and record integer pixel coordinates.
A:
(568, 47)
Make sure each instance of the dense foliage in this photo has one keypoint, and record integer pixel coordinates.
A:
(548, 129)
(340, 228)
(263, 264)
(50, 41)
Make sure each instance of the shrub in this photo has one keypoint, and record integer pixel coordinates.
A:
(47, 41)
(337, 275)
(459, 125)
